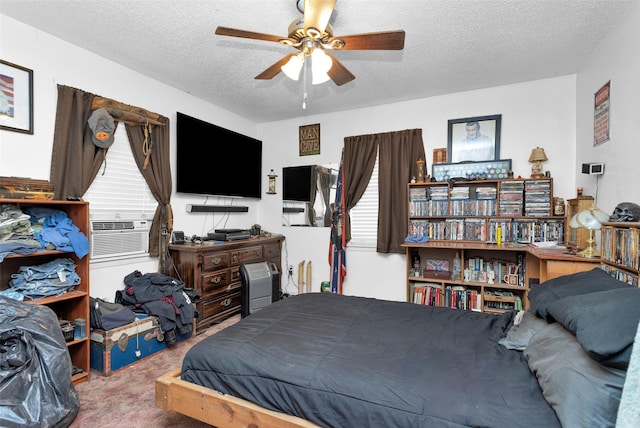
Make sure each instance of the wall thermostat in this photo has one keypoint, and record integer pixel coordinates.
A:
(593, 168)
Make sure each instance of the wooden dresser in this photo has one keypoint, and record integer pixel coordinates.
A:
(213, 271)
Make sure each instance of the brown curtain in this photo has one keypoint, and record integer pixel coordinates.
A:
(398, 153)
(157, 174)
(360, 154)
(74, 164)
(75, 160)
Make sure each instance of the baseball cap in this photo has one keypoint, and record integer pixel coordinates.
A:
(102, 125)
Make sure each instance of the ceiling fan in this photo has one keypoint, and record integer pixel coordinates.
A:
(312, 36)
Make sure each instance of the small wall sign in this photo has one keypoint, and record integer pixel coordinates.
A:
(602, 108)
(309, 139)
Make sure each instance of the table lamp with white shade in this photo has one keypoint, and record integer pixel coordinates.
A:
(590, 219)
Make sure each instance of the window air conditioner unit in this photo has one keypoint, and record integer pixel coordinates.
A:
(111, 239)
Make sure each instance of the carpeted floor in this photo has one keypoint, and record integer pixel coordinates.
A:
(126, 398)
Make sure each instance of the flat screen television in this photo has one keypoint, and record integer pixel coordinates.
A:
(212, 160)
(296, 183)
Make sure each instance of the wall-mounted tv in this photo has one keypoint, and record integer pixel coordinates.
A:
(296, 183)
(212, 160)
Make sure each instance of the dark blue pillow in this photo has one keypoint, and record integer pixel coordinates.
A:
(546, 293)
(605, 323)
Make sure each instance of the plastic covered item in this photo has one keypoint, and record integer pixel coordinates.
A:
(35, 368)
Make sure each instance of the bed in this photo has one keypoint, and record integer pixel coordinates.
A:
(342, 361)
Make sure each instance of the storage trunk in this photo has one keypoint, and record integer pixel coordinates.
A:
(112, 350)
(25, 188)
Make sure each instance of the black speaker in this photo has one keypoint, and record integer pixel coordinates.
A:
(216, 209)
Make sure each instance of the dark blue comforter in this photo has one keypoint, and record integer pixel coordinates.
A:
(343, 361)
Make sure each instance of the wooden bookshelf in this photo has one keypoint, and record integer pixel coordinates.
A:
(72, 304)
(475, 210)
(530, 265)
(619, 248)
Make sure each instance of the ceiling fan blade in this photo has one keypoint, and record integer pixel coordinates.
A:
(317, 14)
(338, 72)
(384, 40)
(226, 31)
(276, 68)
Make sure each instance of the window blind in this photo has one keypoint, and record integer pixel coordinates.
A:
(364, 216)
(119, 191)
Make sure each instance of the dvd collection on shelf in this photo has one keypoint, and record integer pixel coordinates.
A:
(473, 211)
(619, 251)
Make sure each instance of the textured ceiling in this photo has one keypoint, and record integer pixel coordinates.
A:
(450, 45)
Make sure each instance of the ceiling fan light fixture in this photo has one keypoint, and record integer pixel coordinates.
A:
(320, 65)
(293, 66)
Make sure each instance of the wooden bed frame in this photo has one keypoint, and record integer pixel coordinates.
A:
(218, 409)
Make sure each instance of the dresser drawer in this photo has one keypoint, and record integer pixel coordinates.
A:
(218, 282)
(271, 251)
(211, 308)
(215, 261)
(245, 255)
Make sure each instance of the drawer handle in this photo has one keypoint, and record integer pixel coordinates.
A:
(225, 302)
(235, 257)
(216, 261)
(216, 280)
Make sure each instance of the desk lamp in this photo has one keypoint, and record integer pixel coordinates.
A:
(590, 219)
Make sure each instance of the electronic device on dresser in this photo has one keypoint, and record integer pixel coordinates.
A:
(229, 234)
(177, 237)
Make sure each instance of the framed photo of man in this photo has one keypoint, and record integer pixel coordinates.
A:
(474, 139)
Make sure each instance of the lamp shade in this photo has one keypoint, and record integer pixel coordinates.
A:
(590, 218)
(293, 66)
(320, 65)
(538, 155)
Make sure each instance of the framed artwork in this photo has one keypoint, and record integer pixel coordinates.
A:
(474, 139)
(440, 155)
(16, 98)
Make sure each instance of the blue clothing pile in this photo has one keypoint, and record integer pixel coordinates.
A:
(54, 228)
(37, 229)
(49, 279)
(416, 238)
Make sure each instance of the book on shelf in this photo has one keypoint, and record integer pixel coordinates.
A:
(621, 275)
(426, 294)
(417, 193)
(486, 192)
(439, 192)
(460, 192)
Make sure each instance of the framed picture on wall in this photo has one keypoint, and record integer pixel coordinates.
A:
(16, 98)
(474, 139)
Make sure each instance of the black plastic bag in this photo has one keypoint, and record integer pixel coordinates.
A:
(35, 368)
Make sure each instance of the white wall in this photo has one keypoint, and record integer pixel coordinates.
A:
(539, 113)
(54, 62)
(616, 60)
